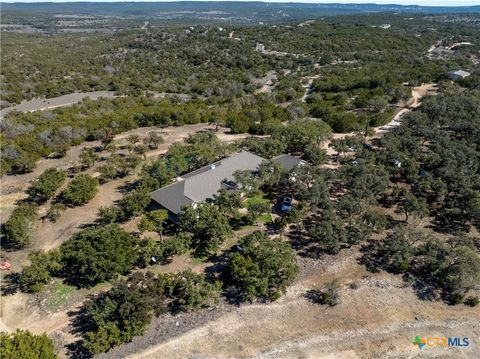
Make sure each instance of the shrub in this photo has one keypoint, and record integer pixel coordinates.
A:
(472, 301)
(118, 315)
(262, 268)
(34, 277)
(192, 291)
(55, 211)
(17, 230)
(108, 215)
(161, 251)
(97, 254)
(46, 185)
(22, 344)
(81, 190)
(327, 296)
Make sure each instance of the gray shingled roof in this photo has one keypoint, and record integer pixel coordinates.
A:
(288, 162)
(205, 184)
(172, 197)
(199, 185)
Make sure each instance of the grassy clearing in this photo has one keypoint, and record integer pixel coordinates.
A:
(258, 199)
(58, 295)
(264, 218)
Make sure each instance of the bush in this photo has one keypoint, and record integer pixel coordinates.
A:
(134, 204)
(108, 215)
(34, 277)
(327, 296)
(81, 190)
(472, 301)
(22, 344)
(46, 185)
(55, 211)
(122, 313)
(17, 230)
(97, 254)
(262, 268)
(192, 291)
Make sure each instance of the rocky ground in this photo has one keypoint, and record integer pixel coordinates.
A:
(377, 317)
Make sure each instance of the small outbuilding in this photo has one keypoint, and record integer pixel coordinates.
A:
(458, 74)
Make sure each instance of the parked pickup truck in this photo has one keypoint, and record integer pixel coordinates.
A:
(287, 204)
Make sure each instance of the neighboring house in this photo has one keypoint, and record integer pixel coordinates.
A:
(202, 184)
(458, 75)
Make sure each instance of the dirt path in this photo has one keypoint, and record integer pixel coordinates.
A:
(415, 101)
(267, 82)
(308, 87)
(417, 94)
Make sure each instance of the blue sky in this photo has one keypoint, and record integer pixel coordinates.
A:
(401, 2)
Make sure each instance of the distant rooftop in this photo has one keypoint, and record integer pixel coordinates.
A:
(459, 73)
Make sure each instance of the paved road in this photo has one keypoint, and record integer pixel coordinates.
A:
(65, 100)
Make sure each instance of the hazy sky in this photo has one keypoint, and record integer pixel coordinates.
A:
(401, 2)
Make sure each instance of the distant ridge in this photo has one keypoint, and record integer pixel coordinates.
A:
(157, 8)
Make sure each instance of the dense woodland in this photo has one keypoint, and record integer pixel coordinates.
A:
(409, 201)
(363, 71)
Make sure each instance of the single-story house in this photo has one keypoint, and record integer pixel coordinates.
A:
(457, 75)
(202, 184)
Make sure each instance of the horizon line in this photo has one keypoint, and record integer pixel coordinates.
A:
(449, 5)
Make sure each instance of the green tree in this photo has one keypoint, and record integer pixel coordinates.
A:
(248, 182)
(208, 225)
(227, 201)
(17, 230)
(410, 204)
(45, 186)
(96, 255)
(153, 221)
(121, 313)
(262, 268)
(329, 233)
(134, 204)
(156, 175)
(453, 266)
(43, 265)
(81, 190)
(398, 251)
(22, 344)
(256, 209)
(192, 291)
